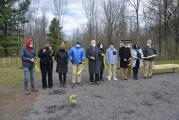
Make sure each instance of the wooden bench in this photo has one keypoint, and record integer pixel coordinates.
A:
(166, 66)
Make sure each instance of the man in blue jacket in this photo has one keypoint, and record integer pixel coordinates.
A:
(77, 57)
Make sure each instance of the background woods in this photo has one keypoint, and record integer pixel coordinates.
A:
(107, 21)
(138, 20)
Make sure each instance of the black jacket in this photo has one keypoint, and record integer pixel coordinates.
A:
(46, 57)
(101, 57)
(62, 59)
(93, 65)
(124, 53)
(147, 51)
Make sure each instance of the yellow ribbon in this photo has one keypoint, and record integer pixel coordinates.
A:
(129, 67)
(81, 70)
(154, 55)
(106, 68)
(51, 53)
(37, 69)
(129, 70)
(72, 99)
(104, 60)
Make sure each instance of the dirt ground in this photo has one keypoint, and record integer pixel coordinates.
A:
(16, 106)
(143, 99)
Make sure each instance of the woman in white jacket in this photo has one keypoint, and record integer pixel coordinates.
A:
(137, 55)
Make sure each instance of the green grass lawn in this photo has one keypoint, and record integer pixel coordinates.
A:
(167, 62)
(11, 74)
(11, 78)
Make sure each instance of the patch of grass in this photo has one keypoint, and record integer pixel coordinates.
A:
(11, 74)
(167, 62)
(12, 78)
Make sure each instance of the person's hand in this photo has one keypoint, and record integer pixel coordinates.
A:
(44, 50)
(32, 60)
(102, 54)
(93, 58)
(72, 61)
(125, 59)
(50, 48)
(81, 62)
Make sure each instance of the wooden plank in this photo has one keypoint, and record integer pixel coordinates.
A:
(166, 66)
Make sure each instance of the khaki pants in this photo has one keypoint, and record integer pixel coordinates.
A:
(77, 70)
(112, 70)
(148, 68)
(124, 73)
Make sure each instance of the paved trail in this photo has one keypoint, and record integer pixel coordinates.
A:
(150, 99)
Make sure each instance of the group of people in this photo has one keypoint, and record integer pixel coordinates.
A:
(97, 59)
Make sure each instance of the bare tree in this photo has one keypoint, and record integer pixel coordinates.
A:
(115, 22)
(136, 5)
(91, 12)
(163, 14)
(154, 13)
(121, 28)
(175, 11)
(169, 9)
(112, 13)
(36, 28)
(43, 24)
(60, 7)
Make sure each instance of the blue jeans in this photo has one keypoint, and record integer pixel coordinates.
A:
(136, 69)
(28, 70)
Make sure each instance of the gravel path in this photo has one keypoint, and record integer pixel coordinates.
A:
(144, 99)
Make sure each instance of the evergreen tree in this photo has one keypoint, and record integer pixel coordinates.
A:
(55, 32)
(12, 15)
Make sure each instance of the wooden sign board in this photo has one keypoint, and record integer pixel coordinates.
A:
(126, 41)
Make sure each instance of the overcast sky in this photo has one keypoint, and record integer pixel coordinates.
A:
(74, 17)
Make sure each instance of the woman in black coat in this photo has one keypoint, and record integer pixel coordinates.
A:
(62, 58)
(46, 65)
(125, 55)
(101, 49)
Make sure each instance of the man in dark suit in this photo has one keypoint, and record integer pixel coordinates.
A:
(93, 55)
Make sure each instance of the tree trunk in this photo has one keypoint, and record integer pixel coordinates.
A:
(6, 51)
(5, 29)
(160, 40)
(166, 27)
(90, 32)
(176, 37)
(160, 32)
(137, 16)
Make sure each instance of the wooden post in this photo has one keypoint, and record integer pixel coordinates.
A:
(9, 60)
(4, 62)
